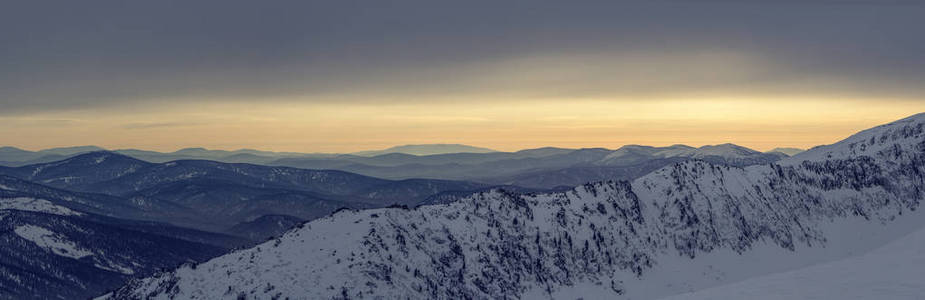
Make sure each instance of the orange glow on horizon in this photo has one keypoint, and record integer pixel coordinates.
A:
(506, 125)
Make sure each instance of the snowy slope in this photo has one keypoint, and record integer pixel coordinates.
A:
(892, 272)
(880, 141)
(53, 242)
(53, 256)
(685, 227)
(38, 205)
(724, 150)
(729, 154)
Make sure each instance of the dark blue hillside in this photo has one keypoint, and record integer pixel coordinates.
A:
(79, 170)
(46, 256)
(265, 227)
(152, 184)
(101, 204)
(115, 211)
(220, 203)
(318, 181)
(413, 191)
(209, 195)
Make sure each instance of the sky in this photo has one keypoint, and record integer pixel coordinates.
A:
(343, 76)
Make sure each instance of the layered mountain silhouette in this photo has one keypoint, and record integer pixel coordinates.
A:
(686, 226)
(427, 149)
(12, 156)
(211, 195)
(543, 168)
(547, 168)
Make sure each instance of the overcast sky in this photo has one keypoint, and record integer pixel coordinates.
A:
(349, 75)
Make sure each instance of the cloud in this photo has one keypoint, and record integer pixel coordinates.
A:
(89, 54)
(16, 122)
(149, 125)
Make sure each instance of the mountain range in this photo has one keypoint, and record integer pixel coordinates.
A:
(214, 196)
(687, 226)
(209, 207)
(14, 157)
(426, 149)
(542, 168)
(637, 222)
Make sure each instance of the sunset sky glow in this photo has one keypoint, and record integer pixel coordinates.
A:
(342, 76)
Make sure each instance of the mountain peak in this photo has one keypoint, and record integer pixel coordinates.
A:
(9, 149)
(71, 150)
(726, 150)
(426, 149)
(787, 150)
(919, 117)
(680, 146)
(96, 157)
(634, 146)
(878, 141)
(191, 150)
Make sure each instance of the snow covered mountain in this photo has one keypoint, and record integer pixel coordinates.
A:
(730, 154)
(684, 227)
(578, 175)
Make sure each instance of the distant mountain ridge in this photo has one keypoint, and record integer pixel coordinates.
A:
(12, 156)
(535, 168)
(426, 149)
(788, 151)
(542, 168)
